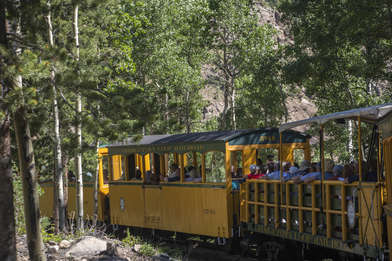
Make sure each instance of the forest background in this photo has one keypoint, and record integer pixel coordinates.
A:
(76, 74)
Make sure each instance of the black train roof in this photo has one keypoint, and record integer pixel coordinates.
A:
(204, 141)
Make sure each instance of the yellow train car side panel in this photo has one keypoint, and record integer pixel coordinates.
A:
(127, 205)
(88, 202)
(371, 214)
(172, 207)
(387, 147)
(46, 199)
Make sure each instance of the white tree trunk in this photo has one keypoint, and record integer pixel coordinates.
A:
(233, 116)
(96, 181)
(350, 140)
(59, 195)
(78, 157)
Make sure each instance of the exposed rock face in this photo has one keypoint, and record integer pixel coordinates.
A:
(65, 244)
(87, 246)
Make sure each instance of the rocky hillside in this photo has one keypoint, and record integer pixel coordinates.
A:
(299, 106)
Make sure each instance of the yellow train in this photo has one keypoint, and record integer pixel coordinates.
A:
(186, 183)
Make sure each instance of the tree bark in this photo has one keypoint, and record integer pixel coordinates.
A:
(7, 216)
(59, 195)
(29, 178)
(78, 158)
(65, 161)
(96, 180)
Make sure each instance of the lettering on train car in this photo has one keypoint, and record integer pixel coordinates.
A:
(267, 139)
(164, 148)
(152, 219)
(207, 211)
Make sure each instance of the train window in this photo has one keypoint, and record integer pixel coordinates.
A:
(131, 167)
(106, 167)
(236, 164)
(299, 155)
(123, 167)
(215, 166)
(267, 154)
(269, 158)
(156, 164)
(192, 169)
(172, 167)
(118, 167)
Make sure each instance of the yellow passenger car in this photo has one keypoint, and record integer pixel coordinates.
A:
(198, 198)
(332, 214)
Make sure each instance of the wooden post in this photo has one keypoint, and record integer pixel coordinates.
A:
(203, 167)
(181, 159)
(361, 236)
(300, 207)
(343, 215)
(314, 213)
(328, 205)
(359, 150)
(265, 203)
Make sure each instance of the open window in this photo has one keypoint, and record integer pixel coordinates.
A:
(298, 156)
(193, 167)
(172, 167)
(269, 159)
(236, 164)
(215, 166)
(105, 169)
(118, 167)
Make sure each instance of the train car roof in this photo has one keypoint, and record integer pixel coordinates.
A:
(372, 114)
(204, 141)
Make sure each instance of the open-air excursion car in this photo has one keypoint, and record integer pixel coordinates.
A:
(137, 188)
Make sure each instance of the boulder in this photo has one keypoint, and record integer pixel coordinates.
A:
(137, 247)
(65, 244)
(53, 249)
(87, 246)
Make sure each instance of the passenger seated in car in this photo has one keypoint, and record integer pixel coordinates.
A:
(138, 174)
(371, 173)
(174, 173)
(253, 174)
(317, 175)
(260, 166)
(304, 169)
(276, 174)
(354, 175)
(293, 170)
(337, 172)
(192, 175)
(260, 171)
(270, 167)
(155, 178)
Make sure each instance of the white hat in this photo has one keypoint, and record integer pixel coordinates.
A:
(293, 169)
(252, 167)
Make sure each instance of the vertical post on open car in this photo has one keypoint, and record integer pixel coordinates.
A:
(361, 236)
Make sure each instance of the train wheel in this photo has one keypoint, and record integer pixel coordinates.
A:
(270, 251)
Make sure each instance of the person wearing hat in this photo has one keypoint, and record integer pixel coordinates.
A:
(304, 169)
(276, 174)
(253, 172)
(317, 175)
(293, 171)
